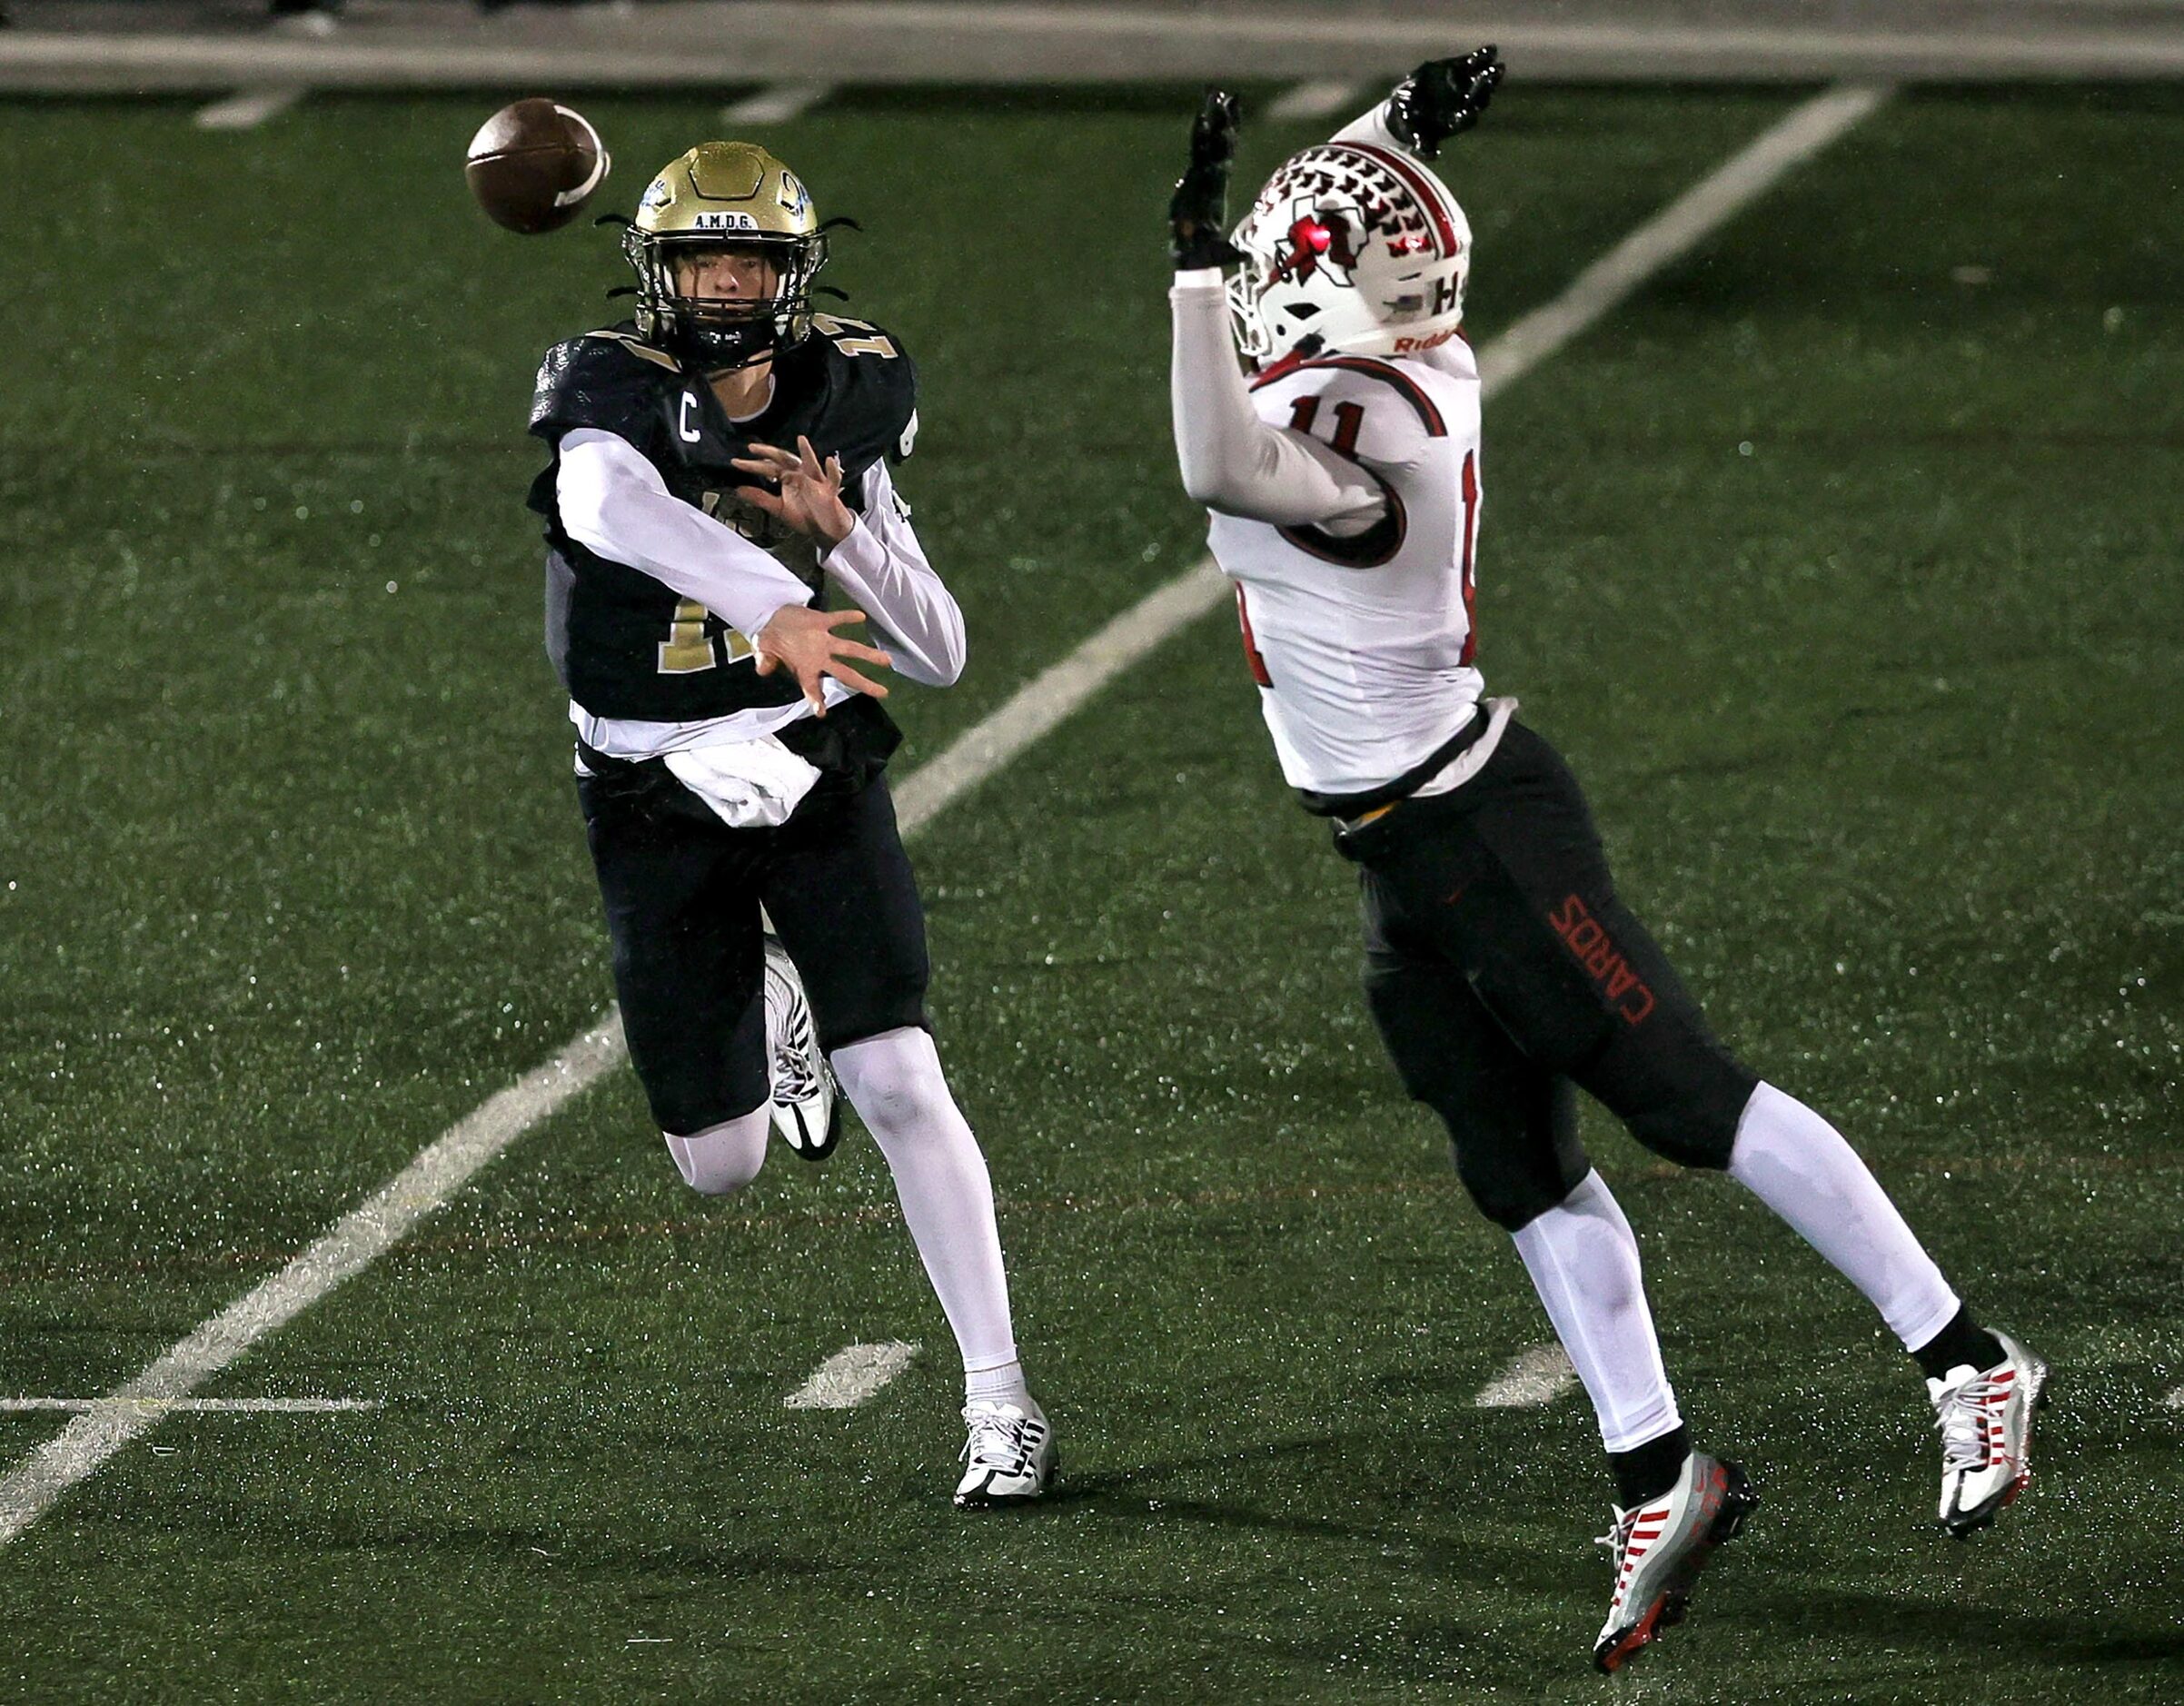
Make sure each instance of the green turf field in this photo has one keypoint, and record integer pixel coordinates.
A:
(1845, 575)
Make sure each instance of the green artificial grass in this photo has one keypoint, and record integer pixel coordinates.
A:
(1839, 561)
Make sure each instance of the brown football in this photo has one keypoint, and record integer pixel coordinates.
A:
(533, 165)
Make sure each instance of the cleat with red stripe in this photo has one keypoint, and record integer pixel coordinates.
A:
(1985, 1418)
(1660, 1548)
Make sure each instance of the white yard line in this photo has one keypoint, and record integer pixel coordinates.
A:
(272, 1406)
(1676, 230)
(1534, 1378)
(358, 1239)
(1322, 98)
(778, 104)
(440, 1170)
(852, 1377)
(247, 109)
(1050, 696)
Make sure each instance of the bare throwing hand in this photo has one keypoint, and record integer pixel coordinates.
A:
(810, 500)
(807, 643)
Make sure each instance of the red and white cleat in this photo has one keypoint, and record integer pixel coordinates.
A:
(1661, 1547)
(1985, 1416)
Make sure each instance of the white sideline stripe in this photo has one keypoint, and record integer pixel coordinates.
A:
(778, 104)
(1048, 697)
(852, 1375)
(1677, 229)
(276, 1406)
(2023, 50)
(1323, 97)
(247, 109)
(1534, 1378)
(440, 1170)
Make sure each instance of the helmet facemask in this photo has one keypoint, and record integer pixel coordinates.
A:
(712, 333)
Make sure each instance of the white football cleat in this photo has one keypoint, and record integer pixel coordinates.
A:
(1661, 1547)
(1009, 1457)
(1985, 1417)
(807, 1111)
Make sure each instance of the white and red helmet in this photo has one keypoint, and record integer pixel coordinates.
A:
(1356, 245)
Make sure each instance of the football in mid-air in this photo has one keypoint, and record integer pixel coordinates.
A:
(533, 164)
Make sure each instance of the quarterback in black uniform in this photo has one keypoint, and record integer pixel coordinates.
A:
(719, 461)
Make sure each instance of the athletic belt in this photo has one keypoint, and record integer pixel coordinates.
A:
(599, 763)
(1406, 784)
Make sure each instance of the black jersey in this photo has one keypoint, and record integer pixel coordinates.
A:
(628, 645)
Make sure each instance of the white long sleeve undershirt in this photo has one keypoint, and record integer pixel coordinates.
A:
(613, 501)
(1233, 461)
(882, 568)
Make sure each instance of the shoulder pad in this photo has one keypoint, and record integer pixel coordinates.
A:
(854, 392)
(873, 383)
(608, 378)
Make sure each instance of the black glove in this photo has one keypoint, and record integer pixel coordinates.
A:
(1443, 98)
(1198, 214)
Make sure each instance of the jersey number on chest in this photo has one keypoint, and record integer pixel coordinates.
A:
(1349, 421)
(688, 649)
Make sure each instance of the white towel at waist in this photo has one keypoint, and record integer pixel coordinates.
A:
(750, 784)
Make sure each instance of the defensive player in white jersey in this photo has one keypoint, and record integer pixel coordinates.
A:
(1344, 479)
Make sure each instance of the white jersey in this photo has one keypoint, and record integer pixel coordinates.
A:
(1361, 643)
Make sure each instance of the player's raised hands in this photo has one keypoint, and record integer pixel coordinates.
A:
(1443, 98)
(809, 496)
(1198, 214)
(809, 644)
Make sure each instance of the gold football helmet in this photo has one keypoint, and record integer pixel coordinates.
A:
(725, 195)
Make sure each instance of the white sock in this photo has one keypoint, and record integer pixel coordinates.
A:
(1004, 1385)
(724, 1158)
(894, 1081)
(1583, 1261)
(1800, 1167)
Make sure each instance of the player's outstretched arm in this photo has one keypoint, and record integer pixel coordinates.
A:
(1231, 460)
(613, 501)
(1443, 98)
(875, 558)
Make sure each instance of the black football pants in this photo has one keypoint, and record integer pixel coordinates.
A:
(1501, 970)
(682, 893)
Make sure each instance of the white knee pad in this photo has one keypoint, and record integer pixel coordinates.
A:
(894, 1083)
(724, 1158)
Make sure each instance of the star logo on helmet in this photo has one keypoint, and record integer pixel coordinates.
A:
(1308, 240)
(1317, 238)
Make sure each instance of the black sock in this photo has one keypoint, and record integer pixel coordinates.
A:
(1648, 1470)
(1963, 1342)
